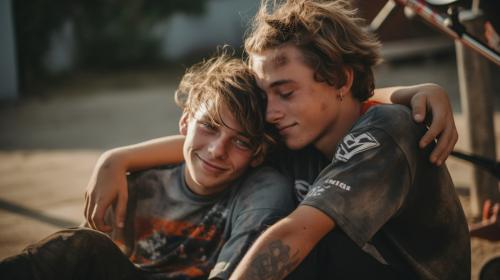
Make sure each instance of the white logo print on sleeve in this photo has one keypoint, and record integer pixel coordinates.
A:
(301, 189)
(352, 145)
(328, 184)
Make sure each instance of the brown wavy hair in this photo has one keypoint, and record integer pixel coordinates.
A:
(226, 81)
(329, 35)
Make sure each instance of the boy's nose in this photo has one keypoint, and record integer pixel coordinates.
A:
(218, 148)
(273, 113)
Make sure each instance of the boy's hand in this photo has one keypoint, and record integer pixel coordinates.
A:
(107, 186)
(434, 100)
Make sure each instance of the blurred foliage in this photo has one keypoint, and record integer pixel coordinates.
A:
(109, 33)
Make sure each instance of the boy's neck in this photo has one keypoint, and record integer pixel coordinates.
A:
(201, 190)
(348, 115)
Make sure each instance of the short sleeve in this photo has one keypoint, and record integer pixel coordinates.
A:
(365, 184)
(264, 198)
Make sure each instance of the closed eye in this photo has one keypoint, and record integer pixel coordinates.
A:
(286, 94)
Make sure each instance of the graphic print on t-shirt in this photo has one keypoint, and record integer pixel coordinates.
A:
(302, 187)
(352, 145)
(179, 247)
(173, 233)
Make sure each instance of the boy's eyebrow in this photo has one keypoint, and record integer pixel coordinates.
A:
(239, 132)
(280, 82)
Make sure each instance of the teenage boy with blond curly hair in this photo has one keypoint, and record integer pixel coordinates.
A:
(190, 221)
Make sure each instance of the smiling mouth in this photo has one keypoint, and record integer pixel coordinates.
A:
(211, 166)
(282, 129)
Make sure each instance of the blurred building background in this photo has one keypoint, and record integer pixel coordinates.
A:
(54, 38)
(47, 39)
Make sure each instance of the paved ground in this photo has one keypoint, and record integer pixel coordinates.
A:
(49, 145)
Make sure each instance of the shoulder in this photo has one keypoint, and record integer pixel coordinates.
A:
(390, 117)
(265, 187)
(265, 179)
(394, 121)
(156, 173)
(393, 129)
(153, 180)
(384, 130)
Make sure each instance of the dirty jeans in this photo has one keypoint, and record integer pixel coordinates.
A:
(71, 254)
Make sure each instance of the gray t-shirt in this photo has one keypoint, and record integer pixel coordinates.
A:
(379, 181)
(174, 233)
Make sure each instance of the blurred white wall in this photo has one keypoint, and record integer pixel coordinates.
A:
(224, 22)
(61, 54)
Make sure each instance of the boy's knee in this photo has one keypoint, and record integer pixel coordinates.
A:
(60, 252)
(84, 237)
(83, 234)
(81, 239)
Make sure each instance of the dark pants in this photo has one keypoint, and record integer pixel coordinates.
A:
(82, 253)
(340, 258)
(71, 254)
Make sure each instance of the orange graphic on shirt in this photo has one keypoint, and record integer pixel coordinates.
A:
(174, 248)
(145, 227)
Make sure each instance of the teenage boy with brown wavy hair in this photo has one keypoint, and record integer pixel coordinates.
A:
(382, 210)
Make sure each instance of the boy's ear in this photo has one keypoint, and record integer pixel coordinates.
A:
(349, 75)
(183, 123)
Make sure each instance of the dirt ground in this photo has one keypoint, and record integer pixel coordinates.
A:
(49, 144)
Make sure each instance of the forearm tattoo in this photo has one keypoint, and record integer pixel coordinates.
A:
(274, 263)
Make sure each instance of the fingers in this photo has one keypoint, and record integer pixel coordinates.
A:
(97, 219)
(446, 134)
(438, 125)
(121, 209)
(441, 128)
(451, 138)
(419, 108)
(85, 206)
(95, 212)
(442, 148)
(89, 209)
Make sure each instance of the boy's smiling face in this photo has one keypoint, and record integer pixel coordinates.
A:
(215, 155)
(302, 109)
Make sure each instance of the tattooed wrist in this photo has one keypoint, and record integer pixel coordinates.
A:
(274, 263)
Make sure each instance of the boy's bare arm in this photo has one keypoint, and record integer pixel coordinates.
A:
(423, 99)
(108, 184)
(282, 247)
